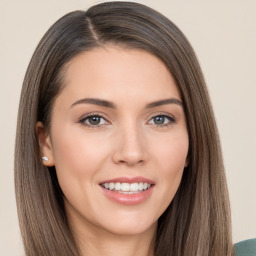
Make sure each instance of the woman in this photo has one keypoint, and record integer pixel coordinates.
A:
(117, 150)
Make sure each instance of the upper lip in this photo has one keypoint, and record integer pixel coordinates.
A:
(136, 179)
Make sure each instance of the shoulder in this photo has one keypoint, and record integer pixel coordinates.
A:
(246, 248)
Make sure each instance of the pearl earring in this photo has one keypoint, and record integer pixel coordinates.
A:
(45, 158)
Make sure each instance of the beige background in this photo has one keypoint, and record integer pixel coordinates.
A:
(223, 34)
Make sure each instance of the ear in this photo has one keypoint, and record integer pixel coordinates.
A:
(45, 144)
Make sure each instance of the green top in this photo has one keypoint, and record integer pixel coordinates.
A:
(246, 248)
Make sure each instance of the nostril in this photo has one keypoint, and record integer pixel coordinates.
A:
(129, 160)
(130, 149)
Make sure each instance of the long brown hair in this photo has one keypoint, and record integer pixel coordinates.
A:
(197, 222)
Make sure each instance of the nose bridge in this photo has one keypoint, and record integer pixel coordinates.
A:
(131, 144)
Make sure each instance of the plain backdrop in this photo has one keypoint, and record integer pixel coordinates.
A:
(223, 34)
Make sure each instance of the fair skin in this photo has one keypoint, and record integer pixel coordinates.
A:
(126, 140)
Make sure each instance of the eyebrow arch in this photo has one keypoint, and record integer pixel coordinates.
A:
(164, 102)
(108, 104)
(94, 101)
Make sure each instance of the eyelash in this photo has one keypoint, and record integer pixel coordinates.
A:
(83, 120)
(171, 120)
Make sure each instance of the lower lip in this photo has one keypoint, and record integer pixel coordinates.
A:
(128, 199)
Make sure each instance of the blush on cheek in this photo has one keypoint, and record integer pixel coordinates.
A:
(78, 158)
(175, 157)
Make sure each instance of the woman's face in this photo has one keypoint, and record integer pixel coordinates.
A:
(118, 140)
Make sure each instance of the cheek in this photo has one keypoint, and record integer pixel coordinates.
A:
(171, 152)
(78, 158)
(171, 158)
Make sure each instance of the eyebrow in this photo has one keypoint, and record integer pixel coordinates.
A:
(93, 101)
(164, 102)
(108, 104)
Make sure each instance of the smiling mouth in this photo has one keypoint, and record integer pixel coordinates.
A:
(126, 188)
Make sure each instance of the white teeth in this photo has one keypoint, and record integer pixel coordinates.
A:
(127, 188)
(134, 187)
(111, 186)
(117, 186)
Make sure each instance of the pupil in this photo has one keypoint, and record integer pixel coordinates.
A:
(159, 119)
(94, 120)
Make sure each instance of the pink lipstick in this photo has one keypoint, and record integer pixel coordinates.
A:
(128, 190)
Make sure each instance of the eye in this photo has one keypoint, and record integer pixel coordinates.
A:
(162, 120)
(93, 120)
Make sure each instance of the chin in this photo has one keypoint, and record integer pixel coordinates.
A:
(130, 225)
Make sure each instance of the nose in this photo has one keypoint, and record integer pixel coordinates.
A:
(130, 146)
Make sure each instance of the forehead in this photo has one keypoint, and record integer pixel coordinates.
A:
(116, 70)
